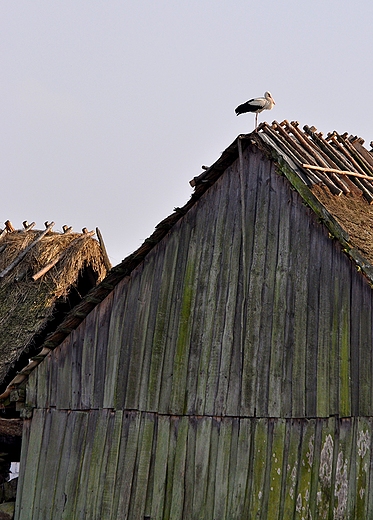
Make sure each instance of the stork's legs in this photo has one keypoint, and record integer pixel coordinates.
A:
(256, 121)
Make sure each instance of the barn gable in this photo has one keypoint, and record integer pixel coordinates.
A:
(227, 372)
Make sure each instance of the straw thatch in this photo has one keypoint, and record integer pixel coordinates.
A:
(30, 308)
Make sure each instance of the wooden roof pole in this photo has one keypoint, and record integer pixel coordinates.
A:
(334, 170)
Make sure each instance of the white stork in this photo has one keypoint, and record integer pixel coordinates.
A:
(256, 106)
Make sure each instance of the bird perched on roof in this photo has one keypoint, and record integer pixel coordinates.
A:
(256, 106)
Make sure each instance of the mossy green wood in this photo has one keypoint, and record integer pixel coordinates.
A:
(141, 470)
(298, 275)
(116, 326)
(165, 304)
(268, 296)
(126, 461)
(252, 346)
(189, 467)
(202, 336)
(201, 466)
(208, 508)
(177, 345)
(259, 468)
(160, 467)
(248, 230)
(365, 445)
(276, 467)
(344, 342)
(293, 439)
(365, 348)
(335, 288)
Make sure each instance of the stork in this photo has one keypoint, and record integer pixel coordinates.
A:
(256, 106)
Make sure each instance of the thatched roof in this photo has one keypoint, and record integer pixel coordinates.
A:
(42, 275)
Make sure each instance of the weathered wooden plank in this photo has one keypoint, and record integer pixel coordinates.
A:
(126, 339)
(252, 345)
(43, 386)
(101, 440)
(102, 319)
(175, 360)
(201, 466)
(140, 327)
(268, 295)
(230, 343)
(64, 366)
(326, 475)
(208, 506)
(111, 470)
(276, 468)
(22, 483)
(76, 345)
(32, 389)
(299, 266)
(178, 478)
(324, 326)
(84, 497)
(78, 423)
(157, 259)
(344, 295)
(160, 467)
(291, 459)
(116, 326)
(362, 460)
(127, 459)
(315, 255)
(165, 304)
(303, 493)
(203, 236)
(222, 475)
(337, 258)
(259, 468)
(208, 362)
(369, 470)
(365, 348)
(279, 387)
(355, 347)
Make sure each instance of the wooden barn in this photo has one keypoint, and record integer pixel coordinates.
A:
(224, 369)
(43, 275)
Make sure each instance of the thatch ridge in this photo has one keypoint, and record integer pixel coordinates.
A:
(28, 305)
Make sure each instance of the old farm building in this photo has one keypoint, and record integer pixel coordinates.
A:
(223, 370)
(43, 274)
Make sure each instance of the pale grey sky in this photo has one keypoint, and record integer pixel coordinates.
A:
(109, 108)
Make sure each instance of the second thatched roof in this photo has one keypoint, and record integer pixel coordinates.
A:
(43, 274)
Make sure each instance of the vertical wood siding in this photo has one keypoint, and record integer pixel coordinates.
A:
(184, 335)
(177, 467)
(229, 377)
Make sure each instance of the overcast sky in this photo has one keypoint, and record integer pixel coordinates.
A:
(109, 108)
